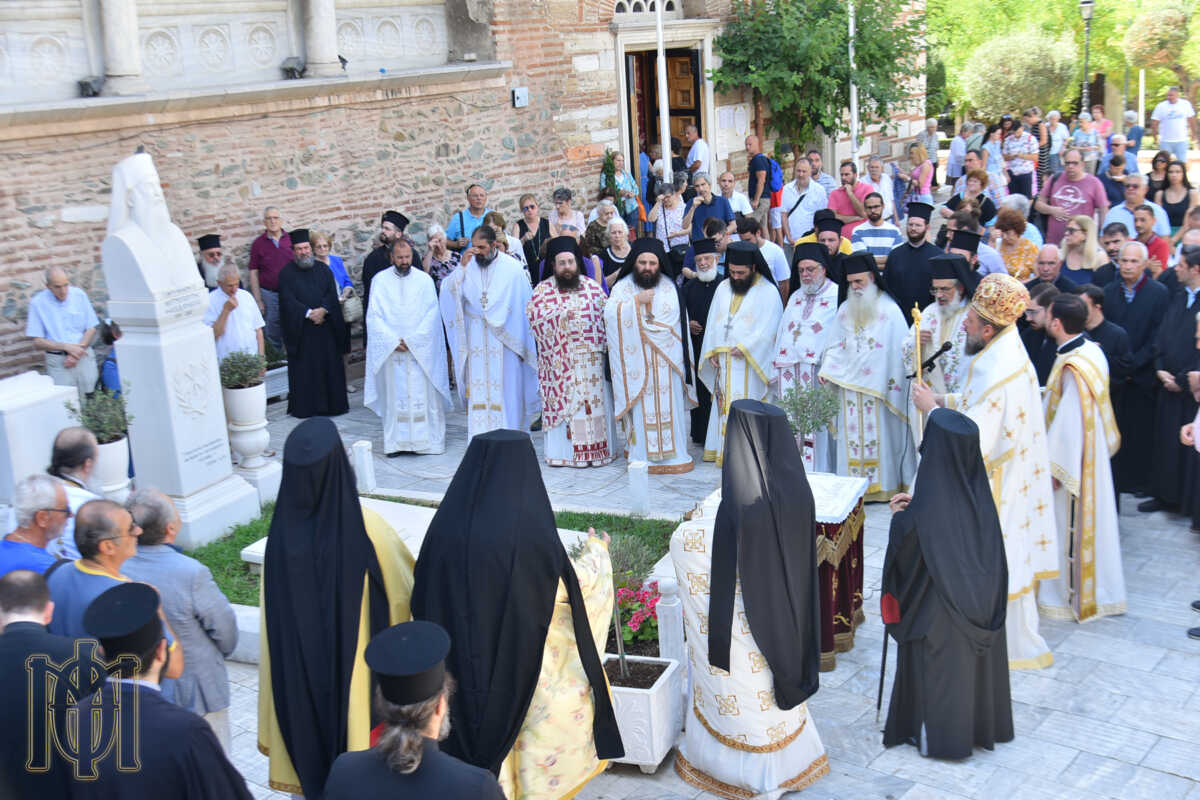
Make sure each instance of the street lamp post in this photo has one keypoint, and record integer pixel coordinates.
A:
(1086, 7)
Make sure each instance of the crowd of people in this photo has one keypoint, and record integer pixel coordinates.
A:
(1040, 350)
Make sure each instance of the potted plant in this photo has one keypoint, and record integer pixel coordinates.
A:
(242, 383)
(810, 410)
(103, 413)
(647, 690)
(245, 393)
(277, 376)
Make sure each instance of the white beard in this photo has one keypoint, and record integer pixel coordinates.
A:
(863, 305)
(211, 271)
(707, 276)
(812, 288)
(946, 312)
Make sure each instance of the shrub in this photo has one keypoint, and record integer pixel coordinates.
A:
(103, 413)
(240, 370)
(810, 410)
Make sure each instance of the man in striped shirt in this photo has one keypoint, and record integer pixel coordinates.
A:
(875, 235)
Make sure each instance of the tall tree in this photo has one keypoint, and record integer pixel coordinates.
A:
(793, 54)
(1020, 70)
(1158, 38)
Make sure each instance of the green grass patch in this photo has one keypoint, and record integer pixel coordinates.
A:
(224, 558)
(638, 543)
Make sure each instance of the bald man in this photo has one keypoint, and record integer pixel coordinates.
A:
(758, 186)
(62, 324)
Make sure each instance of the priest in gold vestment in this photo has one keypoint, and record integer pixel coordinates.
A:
(526, 624)
(334, 575)
(1083, 438)
(739, 337)
(1001, 395)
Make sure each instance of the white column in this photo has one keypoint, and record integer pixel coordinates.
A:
(122, 48)
(320, 40)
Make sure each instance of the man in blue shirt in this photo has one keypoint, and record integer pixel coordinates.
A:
(465, 221)
(40, 503)
(62, 324)
(107, 537)
(1119, 149)
(706, 204)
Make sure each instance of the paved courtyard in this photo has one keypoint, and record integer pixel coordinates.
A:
(1116, 716)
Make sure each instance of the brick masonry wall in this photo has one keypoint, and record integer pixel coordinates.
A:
(331, 165)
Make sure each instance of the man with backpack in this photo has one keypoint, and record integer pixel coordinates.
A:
(1070, 193)
(760, 186)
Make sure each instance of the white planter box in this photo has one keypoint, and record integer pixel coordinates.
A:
(111, 472)
(649, 719)
(277, 383)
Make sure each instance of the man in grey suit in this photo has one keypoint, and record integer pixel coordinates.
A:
(198, 611)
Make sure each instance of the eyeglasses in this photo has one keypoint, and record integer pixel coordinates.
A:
(528, 208)
(66, 511)
(1072, 229)
(1073, 163)
(1159, 161)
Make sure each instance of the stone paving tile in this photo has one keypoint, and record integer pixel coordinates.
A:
(1113, 778)
(1115, 651)
(1161, 718)
(1094, 736)
(1117, 715)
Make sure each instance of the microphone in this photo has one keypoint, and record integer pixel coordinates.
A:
(929, 362)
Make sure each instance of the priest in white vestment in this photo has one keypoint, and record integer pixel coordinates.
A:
(739, 338)
(407, 381)
(483, 310)
(648, 358)
(864, 362)
(1001, 395)
(566, 314)
(1082, 434)
(751, 605)
(801, 342)
(942, 321)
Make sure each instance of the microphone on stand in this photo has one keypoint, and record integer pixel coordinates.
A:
(929, 362)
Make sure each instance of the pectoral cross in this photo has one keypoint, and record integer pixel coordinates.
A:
(728, 325)
(483, 299)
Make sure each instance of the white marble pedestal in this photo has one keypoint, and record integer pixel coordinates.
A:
(32, 412)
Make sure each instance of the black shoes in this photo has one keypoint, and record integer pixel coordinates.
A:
(1194, 633)
(1196, 605)
(1150, 505)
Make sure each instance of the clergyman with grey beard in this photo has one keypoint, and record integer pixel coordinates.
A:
(314, 334)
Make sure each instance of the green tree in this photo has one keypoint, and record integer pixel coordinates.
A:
(1158, 38)
(793, 55)
(960, 32)
(1019, 70)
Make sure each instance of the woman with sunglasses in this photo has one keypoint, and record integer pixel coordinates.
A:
(533, 230)
(1081, 251)
(1156, 178)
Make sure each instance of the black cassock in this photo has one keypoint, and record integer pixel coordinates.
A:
(1114, 341)
(908, 275)
(697, 298)
(365, 774)
(1042, 352)
(179, 755)
(316, 375)
(1133, 398)
(945, 585)
(376, 262)
(1175, 352)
